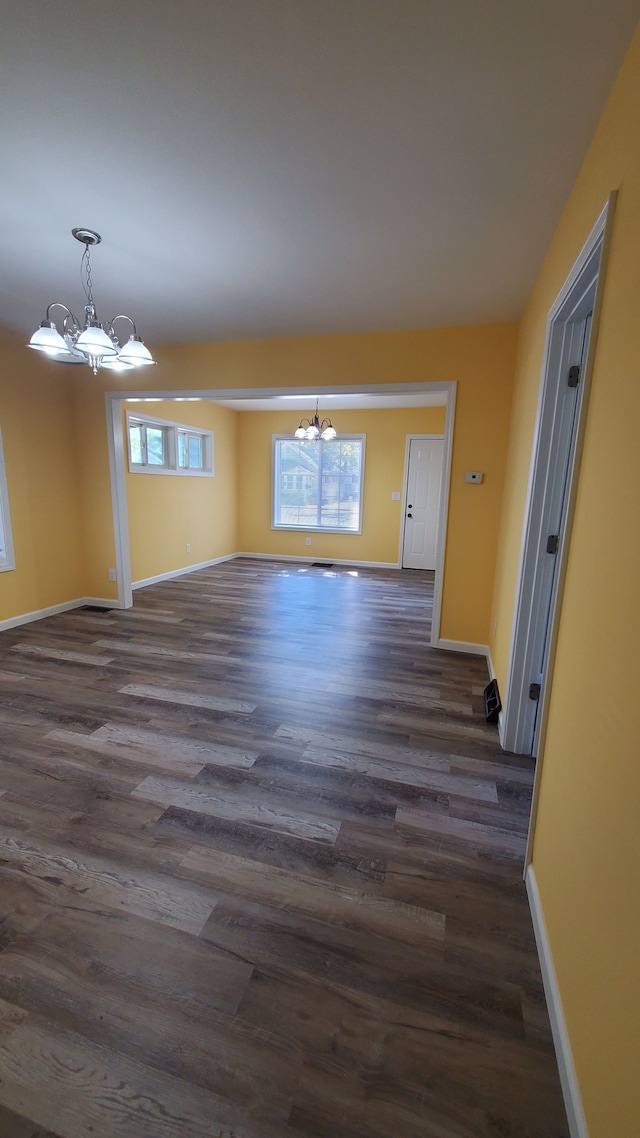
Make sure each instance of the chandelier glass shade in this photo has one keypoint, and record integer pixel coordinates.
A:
(315, 428)
(92, 343)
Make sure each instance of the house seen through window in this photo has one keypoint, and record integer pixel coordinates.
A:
(318, 484)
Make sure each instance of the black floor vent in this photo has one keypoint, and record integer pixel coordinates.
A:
(322, 564)
(492, 702)
(93, 608)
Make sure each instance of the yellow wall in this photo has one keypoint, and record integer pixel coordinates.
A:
(42, 476)
(587, 843)
(386, 433)
(167, 513)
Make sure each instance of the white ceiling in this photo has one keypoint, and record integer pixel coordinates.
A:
(283, 167)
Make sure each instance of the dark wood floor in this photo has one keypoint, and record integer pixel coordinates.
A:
(261, 872)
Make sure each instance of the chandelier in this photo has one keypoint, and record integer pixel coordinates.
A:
(314, 428)
(95, 344)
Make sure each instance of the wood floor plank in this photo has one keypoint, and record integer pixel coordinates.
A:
(461, 830)
(479, 789)
(130, 746)
(97, 883)
(162, 652)
(333, 903)
(172, 792)
(88, 1092)
(176, 750)
(369, 745)
(51, 653)
(190, 698)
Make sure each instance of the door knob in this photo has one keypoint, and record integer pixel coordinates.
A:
(409, 507)
(409, 515)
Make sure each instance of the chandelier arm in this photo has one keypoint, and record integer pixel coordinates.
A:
(123, 316)
(58, 304)
(75, 324)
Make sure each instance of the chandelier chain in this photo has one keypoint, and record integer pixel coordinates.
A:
(85, 265)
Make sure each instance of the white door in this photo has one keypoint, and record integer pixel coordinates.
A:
(422, 503)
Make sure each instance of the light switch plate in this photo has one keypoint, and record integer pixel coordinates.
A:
(395, 495)
(473, 476)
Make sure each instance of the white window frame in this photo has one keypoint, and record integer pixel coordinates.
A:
(171, 431)
(7, 559)
(275, 488)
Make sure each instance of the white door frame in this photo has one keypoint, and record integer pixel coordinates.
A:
(441, 504)
(117, 462)
(587, 272)
(516, 730)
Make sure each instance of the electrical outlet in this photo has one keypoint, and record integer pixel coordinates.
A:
(112, 575)
(188, 549)
(308, 541)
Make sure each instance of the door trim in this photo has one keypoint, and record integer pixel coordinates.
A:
(114, 402)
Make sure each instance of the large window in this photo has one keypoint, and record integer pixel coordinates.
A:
(157, 446)
(318, 485)
(6, 545)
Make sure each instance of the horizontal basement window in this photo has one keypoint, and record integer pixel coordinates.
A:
(158, 446)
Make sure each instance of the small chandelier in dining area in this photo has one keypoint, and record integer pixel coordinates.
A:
(94, 343)
(315, 428)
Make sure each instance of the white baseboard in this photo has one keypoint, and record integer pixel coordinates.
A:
(463, 646)
(568, 1079)
(180, 572)
(329, 560)
(54, 610)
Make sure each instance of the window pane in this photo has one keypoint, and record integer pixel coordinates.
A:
(341, 484)
(135, 443)
(195, 453)
(317, 484)
(182, 450)
(297, 472)
(155, 446)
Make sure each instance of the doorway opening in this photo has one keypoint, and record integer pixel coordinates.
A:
(117, 456)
